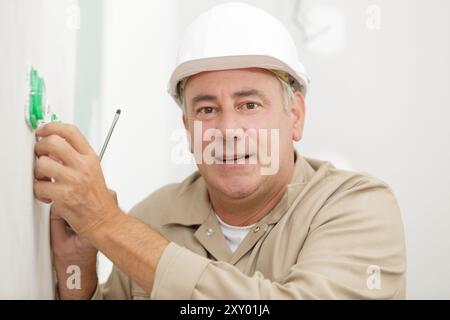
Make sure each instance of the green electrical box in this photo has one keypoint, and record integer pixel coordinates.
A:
(37, 110)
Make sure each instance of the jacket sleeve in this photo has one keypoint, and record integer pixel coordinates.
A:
(354, 250)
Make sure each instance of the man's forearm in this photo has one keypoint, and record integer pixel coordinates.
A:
(133, 246)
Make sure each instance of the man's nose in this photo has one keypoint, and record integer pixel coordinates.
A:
(231, 124)
(232, 128)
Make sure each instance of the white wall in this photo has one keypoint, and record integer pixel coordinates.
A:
(31, 32)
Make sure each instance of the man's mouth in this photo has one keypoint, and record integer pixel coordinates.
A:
(233, 158)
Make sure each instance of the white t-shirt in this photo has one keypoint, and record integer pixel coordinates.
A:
(233, 235)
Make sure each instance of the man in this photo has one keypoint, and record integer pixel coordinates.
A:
(258, 220)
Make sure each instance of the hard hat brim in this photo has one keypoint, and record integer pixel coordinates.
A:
(196, 66)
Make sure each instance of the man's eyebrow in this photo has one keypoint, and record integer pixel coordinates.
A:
(203, 97)
(237, 94)
(249, 93)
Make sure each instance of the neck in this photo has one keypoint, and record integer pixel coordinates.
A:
(249, 210)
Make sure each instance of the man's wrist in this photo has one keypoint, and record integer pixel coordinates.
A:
(109, 223)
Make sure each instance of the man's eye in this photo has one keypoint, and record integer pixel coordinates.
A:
(250, 106)
(206, 110)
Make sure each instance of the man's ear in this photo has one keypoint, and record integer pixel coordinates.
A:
(298, 116)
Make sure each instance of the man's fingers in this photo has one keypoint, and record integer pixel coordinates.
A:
(58, 147)
(58, 232)
(58, 228)
(47, 168)
(53, 215)
(48, 201)
(69, 132)
(45, 190)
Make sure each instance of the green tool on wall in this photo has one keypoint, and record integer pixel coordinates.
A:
(37, 109)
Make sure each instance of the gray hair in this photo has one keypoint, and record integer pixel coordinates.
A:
(288, 96)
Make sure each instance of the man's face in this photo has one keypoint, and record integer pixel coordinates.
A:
(245, 109)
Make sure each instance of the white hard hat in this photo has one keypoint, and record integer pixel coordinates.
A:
(234, 36)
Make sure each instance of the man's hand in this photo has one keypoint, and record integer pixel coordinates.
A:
(71, 249)
(78, 188)
(66, 244)
(68, 174)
